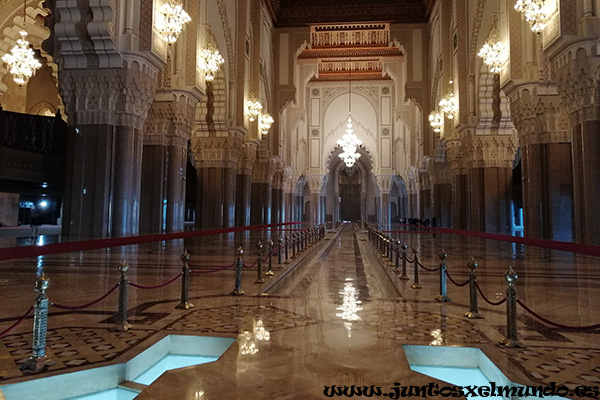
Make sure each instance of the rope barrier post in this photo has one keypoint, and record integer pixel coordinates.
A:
(287, 260)
(237, 291)
(511, 339)
(442, 297)
(305, 239)
(389, 248)
(474, 311)
(122, 324)
(39, 360)
(397, 263)
(416, 284)
(270, 267)
(391, 251)
(293, 245)
(259, 279)
(185, 304)
(404, 277)
(279, 247)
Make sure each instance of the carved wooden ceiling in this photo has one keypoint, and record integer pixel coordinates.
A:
(288, 13)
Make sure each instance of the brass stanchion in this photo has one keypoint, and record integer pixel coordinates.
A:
(416, 284)
(287, 260)
(397, 264)
(237, 291)
(512, 338)
(442, 297)
(185, 304)
(259, 278)
(404, 277)
(122, 324)
(279, 248)
(293, 245)
(270, 267)
(39, 360)
(474, 311)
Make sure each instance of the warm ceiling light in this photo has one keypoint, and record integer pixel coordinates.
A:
(264, 123)
(536, 12)
(253, 109)
(21, 61)
(436, 120)
(175, 17)
(448, 103)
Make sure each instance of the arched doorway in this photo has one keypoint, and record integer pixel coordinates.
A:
(350, 194)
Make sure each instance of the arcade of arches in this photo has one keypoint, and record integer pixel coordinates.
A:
(148, 136)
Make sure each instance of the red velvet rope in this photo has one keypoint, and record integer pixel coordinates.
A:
(12, 253)
(212, 270)
(88, 304)
(427, 269)
(453, 281)
(487, 300)
(591, 250)
(250, 266)
(13, 326)
(135, 285)
(582, 328)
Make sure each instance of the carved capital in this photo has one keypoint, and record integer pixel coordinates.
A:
(315, 182)
(264, 169)
(118, 97)
(578, 81)
(385, 183)
(217, 151)
(248, 154)
(538, 115)
(483, 151)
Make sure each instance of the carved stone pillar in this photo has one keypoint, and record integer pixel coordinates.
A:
(384, 182)
(315, 183)
(459, 184)
(277, 196)
(244, 183)
(578, 86)
(167, 131)
(489, 180)
(107, 109)
(441, 179)
(262, 185)
(545, 140)
(216, 162)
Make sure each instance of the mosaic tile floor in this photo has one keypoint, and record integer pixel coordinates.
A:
(311, 344)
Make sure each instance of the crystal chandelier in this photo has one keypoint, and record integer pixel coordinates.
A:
(349, 142)
(21, 60)
(209, 63)
(264, 123)
(175, 17)
(536, 12)
(253, 109)
(436, 120)
(448, 103)
(493, 52)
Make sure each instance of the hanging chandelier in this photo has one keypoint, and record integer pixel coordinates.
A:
(349, 142)
(21, 61)
(209, 62)
(253, 109)
(536, 12)
(493, 52)
(436, 120)
(175, 17)
(264, 123)
(448, 103)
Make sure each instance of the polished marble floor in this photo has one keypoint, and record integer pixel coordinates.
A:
(302, 306)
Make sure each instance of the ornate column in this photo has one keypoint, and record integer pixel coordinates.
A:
(545, 139)
(489, 178)
(277, 194)
(385, 185)
(262, 185)
(441, 180)
(107, 109)
(244, 183)
(166, 136)
(288, 194)
(315, 183)
(424, 195)
(216, 165)
(459, 184)
(578, 83)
